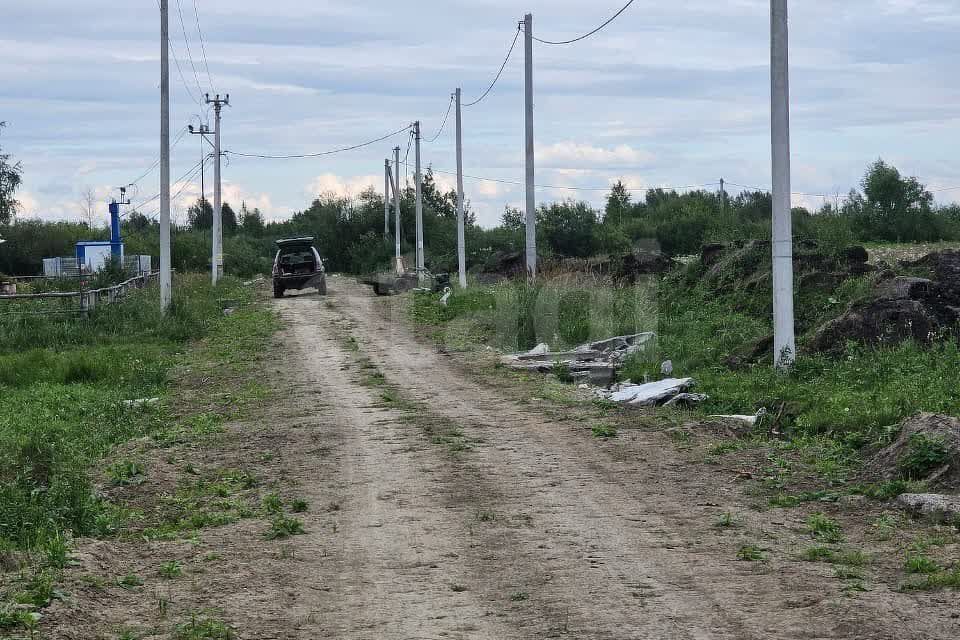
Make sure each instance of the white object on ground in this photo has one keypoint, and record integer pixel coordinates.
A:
(751, 420)
(931, 504)
(140, 402)
(666, 368)
(541, 349)
(446, 296)
(652, 393)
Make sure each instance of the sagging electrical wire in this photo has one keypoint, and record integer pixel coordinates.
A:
(513, 45)
(444, 123)
(319, 154)
(587, 35)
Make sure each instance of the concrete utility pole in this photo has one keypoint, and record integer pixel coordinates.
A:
(419, 179)
(784, 342)
(461, 222)
(387, 173)
(723, 198)
(217, 265)
(203, 132)
(396, 208)
(531, 174)
(166, 281)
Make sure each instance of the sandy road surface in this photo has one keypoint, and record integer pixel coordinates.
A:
(536, 530)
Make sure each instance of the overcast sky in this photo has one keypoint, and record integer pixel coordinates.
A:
(670, 94)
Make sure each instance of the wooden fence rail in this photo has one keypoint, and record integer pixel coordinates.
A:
(90, 298)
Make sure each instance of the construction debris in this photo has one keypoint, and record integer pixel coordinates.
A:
(931, 505)
(750, 420)
(670, 391)
(594, 362)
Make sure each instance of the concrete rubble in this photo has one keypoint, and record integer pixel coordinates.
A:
(932, 505)
(593, 362)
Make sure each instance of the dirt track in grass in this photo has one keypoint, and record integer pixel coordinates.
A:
(445, 507)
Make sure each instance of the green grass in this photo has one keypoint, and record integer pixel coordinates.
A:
(923, 455)
(171, 569)
(824, 528)
(918, 563)
(283, 527)
(65, 384)
(203, 627)
(604, 431)
(750, 553)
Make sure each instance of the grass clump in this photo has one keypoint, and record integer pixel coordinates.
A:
(170, 570)
(825, 528)
(126, 472)
(750, 553)
(919, 563)
(604, 431)
(204, 628)
(924, 454)
(725, 521)
(283, 527)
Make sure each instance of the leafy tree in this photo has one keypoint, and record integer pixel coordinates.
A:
(228, 218)
(512, 219)
(568, 228)
(11, 176)
(251, 222)
(892, 207)
(200, 215)
(618, 204)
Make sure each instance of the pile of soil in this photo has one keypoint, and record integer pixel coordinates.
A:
(629, 267)
(746, 265)
(924, 309)
(903, 458)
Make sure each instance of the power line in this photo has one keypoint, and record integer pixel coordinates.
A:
(587, 35)
(518, 183)
(186, 43)
(499, 73)
(156, 162)
(192, 171)
(203, 47)
(444, 123)
(187, 180)
(183, 79)
(320, 154)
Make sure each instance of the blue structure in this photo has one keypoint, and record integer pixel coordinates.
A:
(116, 245)
(94, 255)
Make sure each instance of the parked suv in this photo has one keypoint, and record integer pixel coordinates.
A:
(298, 266)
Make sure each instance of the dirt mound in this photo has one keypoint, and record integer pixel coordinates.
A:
(629, 267)
(746, 265)
(899, 308)
(942, 266)
(928, 448)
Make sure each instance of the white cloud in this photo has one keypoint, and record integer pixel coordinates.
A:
(561, 154)
(347, 187)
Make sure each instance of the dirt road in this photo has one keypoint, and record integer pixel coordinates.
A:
(537, 531)
(443, 507)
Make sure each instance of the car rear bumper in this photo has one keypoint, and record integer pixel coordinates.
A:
(299, 281)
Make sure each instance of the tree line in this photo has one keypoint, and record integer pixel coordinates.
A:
(887, 207)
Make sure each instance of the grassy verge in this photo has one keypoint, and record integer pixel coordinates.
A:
(71, 391)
